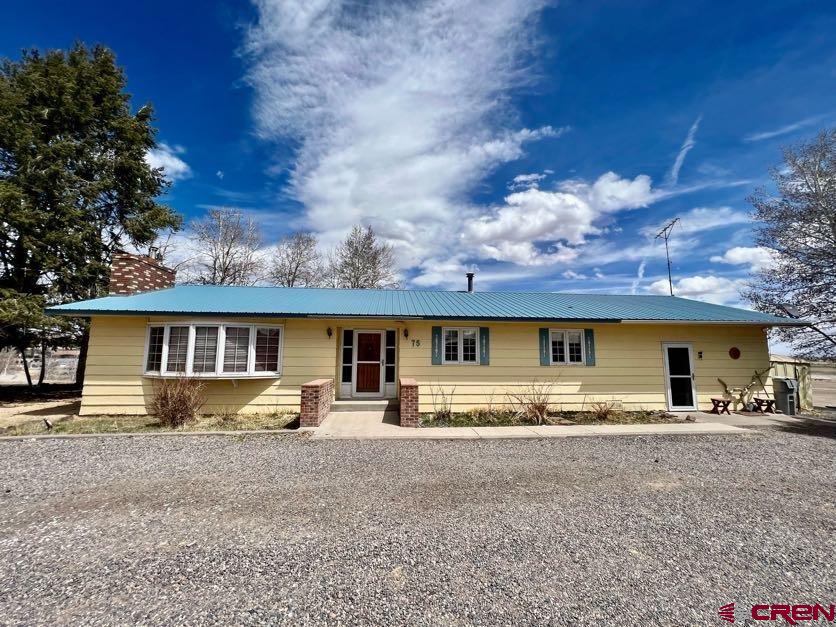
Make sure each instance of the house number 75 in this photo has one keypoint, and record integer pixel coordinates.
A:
(416, 343)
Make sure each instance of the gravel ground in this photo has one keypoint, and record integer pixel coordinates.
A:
(249, 530)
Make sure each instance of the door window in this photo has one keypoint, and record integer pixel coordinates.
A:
(391, 337)
(348, 354)
(368, 347)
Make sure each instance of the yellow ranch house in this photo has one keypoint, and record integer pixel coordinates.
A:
(303, 349)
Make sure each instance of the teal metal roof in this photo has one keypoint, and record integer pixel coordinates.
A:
(203, 300)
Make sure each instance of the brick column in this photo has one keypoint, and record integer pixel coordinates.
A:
(409, 403)
(317, 396)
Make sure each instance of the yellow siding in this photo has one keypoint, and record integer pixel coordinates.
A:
(629, 365)
(114, 383)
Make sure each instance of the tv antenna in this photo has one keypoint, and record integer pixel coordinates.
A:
(665, 233)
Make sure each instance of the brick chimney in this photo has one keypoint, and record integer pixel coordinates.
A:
(132, 274)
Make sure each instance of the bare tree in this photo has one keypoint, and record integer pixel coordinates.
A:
(169, 249)
(800, 224)
(225, 249)
(360, 261)
(296, 262)
(8, 357)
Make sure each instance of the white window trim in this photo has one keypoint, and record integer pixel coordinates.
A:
(582, 362)
(251, 373)
(459, 361)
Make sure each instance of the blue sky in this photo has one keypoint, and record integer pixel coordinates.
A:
(540, 143)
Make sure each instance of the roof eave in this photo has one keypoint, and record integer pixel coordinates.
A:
(758, 323)
(86, 313)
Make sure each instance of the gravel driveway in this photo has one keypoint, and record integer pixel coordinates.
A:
(188, 530)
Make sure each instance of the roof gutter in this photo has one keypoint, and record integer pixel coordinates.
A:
(86, 313)
(758, 323)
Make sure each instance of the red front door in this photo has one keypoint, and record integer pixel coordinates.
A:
(368, 362)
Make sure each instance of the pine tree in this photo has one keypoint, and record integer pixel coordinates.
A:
(74, 183)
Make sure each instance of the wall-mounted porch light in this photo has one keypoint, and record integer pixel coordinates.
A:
(329, 331)
(406, 333)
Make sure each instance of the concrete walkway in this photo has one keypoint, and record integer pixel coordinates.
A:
(374, 426)
(753, 419)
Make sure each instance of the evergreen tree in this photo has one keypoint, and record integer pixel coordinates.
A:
(74, 183)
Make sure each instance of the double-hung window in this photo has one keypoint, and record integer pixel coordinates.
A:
(461, 345)
(214, 350)
(567, 346)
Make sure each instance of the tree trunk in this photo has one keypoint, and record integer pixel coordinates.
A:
(82, 357)
(42, 374)
(25, 366)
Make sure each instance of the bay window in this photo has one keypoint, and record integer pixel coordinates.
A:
(178, 349)
(223, 351)
(205, 349)
(236, 349)
(267, 348)
(154, 358)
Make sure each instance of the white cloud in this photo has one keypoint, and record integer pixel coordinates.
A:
(562, 219)
(574, 276)
(756, 257)
(783, 130)
(536, 215)
(611, 193)
(165, 156)
(711, 289)
(526, 181)
(634, 286)
(395, 106)
(701, 219)
(399, 111)
(438, 271)
(687, 145)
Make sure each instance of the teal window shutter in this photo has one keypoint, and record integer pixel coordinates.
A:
(545, 348)
(589, 340)
(484, 346)
(437, 347)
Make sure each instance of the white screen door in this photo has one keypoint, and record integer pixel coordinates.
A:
(679, 376)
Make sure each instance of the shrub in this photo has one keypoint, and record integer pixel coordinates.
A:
(177, 401)
(442, 403)
(533, 402)
(604, 410)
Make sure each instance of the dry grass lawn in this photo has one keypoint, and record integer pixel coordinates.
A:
(147, 424)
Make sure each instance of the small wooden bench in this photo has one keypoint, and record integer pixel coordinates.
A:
(721, 406)
(765, 405)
